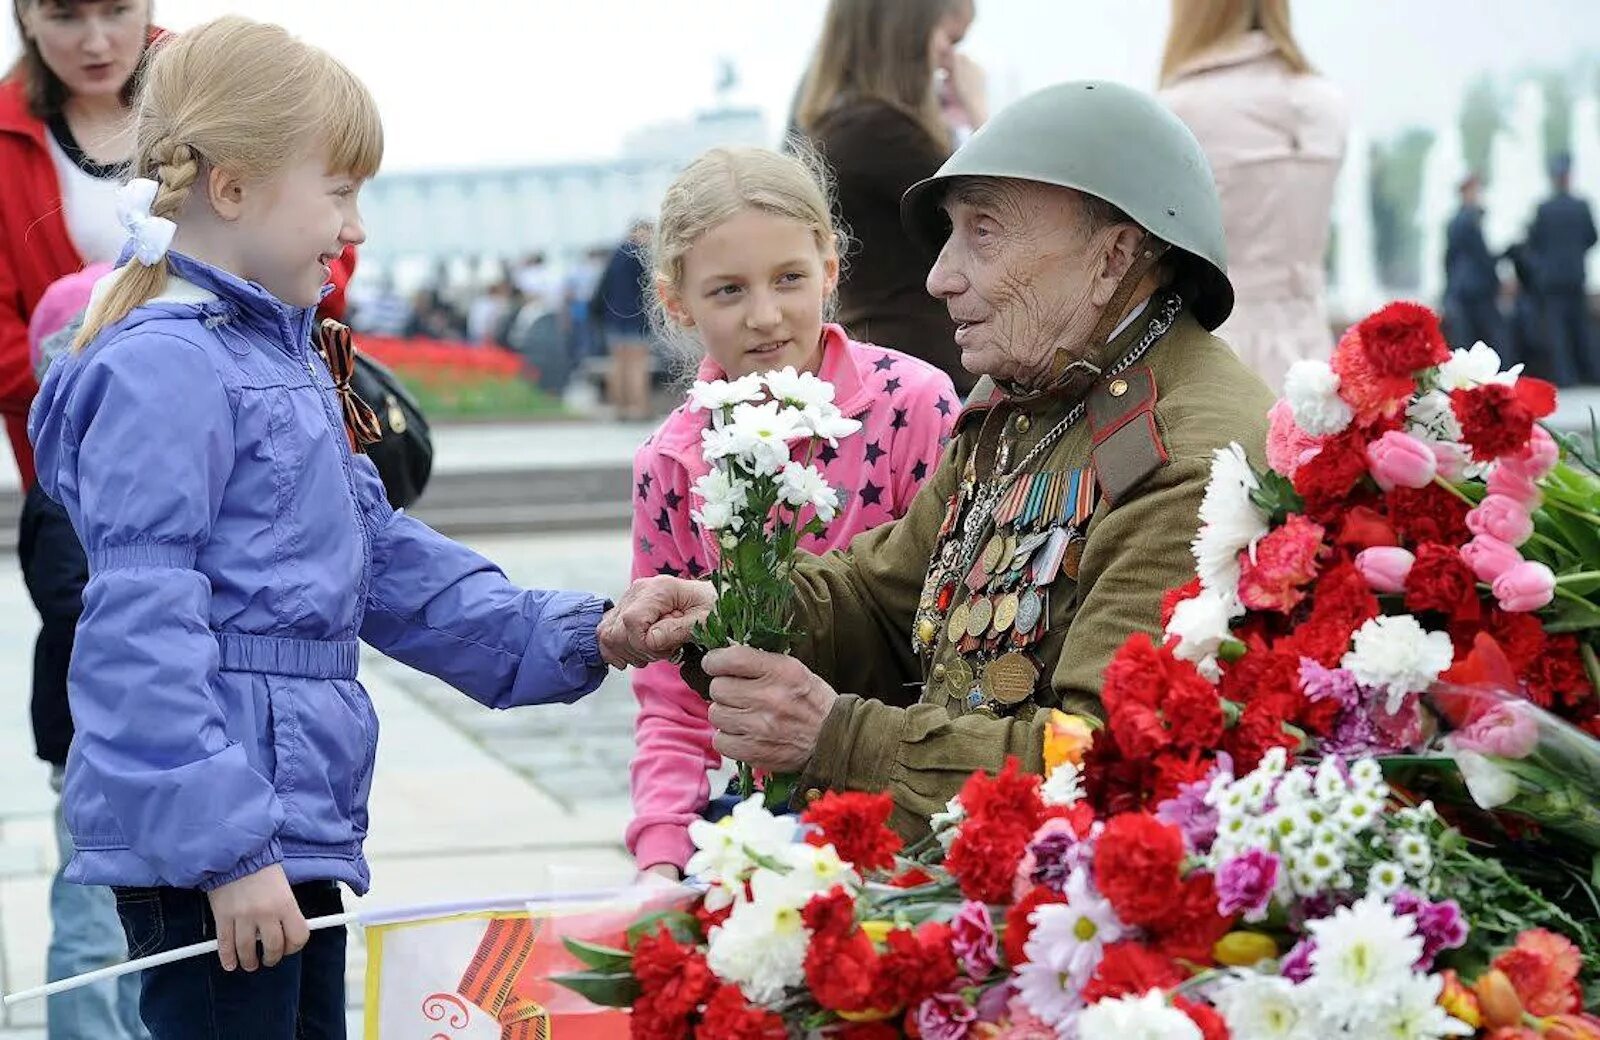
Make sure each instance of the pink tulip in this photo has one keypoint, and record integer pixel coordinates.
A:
(1538, 458)
(1502, 517)
(1506, 730)
(1385, 567)
(1489, 557)
(1451, 458)
(1400, 460)
(1525, 587)
(1513, 483)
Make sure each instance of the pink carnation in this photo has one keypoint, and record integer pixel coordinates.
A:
(1285, 562)
(1288, 446)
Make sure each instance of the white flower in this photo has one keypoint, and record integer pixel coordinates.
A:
(1412, 1012)
(798, 389)
(1229, 524)
(1064, 785)
(1367, 775)
(1363, 947)
(1201, 625)
(724, 393)
(1475, 366)
(1415, 854)
(1490, 785)
(946, 824)
(1312, 389)
(828, 423)
(812, 870)
(757, 435)
(730, 847)
(762, 945)
(1265, 1007)
(801, 486)
(1136, 1018)
(723, 498)
(1385, 878)
(1398, 655)
(1071, 937)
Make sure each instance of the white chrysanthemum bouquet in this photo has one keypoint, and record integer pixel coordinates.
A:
(760, 500)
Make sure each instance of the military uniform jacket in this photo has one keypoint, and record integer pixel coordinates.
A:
(1089, 532)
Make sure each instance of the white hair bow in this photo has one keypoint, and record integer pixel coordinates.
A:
(151, 235)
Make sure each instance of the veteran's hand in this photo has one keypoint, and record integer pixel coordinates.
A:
(768, 709)
(654, 618)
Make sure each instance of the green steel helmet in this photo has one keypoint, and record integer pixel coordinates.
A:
(1112, 142)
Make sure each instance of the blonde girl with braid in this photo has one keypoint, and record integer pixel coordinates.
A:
(240, 545)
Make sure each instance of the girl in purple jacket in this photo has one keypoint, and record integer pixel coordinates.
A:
(239, 548)
(746, 265)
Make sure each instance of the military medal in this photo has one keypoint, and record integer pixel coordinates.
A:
(992, 554)
(1030, 607)
(1010, 679)
(1005, 611)
(957, 625)
(958, 677)
(978, 617)
(1072, 558)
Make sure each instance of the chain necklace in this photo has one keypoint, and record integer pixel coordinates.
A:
(986, 498)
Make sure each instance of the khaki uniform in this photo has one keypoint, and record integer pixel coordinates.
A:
(1095, 528)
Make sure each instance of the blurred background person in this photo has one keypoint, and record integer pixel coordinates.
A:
(1471, 277)
(1559, 241)
(870, 103)
(620, 307)
(1274, 132)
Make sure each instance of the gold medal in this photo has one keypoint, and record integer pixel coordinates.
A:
(1005, 611)
(978, 618)
(957, 626)
(958, 678)
(926, 630)
(992, 554)
(1073, 558)
(1010, 679)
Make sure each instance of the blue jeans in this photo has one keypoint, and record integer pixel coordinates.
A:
(84, 935)
(300, 998)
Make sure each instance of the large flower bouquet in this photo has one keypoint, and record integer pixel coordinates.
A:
(760, 501)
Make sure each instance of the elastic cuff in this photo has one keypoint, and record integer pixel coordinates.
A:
(273, 853)
(586, 621)
(662, 843)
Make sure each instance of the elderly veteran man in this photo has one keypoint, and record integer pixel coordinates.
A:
(1080, 249)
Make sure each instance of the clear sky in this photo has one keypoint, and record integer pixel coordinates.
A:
(501, 82)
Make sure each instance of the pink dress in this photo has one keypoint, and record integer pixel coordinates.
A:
(907, 409)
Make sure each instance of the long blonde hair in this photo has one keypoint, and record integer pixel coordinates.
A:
(1200, 25)
(720, 185)
(876, 50)
(242, 96)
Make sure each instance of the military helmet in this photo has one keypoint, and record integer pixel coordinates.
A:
(1109, 141)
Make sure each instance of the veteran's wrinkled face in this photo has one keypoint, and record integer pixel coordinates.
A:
(1025, 273)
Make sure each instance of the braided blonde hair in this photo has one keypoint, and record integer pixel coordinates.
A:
(243, 96)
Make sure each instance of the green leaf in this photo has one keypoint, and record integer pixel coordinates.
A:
(1276, 497)
(681, 925)
(608, 989)
(600, 958)
(1571, 615)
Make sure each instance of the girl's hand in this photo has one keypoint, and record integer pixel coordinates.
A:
(257, 905)
(666, 870)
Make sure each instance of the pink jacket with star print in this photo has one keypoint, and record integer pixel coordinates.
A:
(907, 409)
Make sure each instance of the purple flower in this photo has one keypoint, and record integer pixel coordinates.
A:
(995, 1002)
(1189, 812)
(1052, 852)
(972, 938)
(1296, 964)
(1246, 883)
(1321, 683)
(946, 1016)
(1440, 925)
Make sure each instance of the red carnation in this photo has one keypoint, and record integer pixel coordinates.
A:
(1169, 773)
(1429, 514)
(729, 1016)
(1153, 701)
(1265, 676)
(1212, 1025)
(830, 915)
(673, 976)
(984, 858)
(857, 826)
(1441, 580)
(648, 1021)
(710, 919)
(1131, 969)
(1521, 636)
(1136, 867)
(1328, 479)
(1193, 925)
(1259, 730)
(1402, 339)
(911, 877)
(1019, 928)
(842, 971)
(1194, 714)
(1497, 420)
(1343, 602)
(1557, 677)
(1010, 795)
(1172, 597)
(1135, 675)
(1374, 396)
(916, 965)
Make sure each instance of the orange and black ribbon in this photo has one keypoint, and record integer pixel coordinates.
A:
(339, 351)
(492, 975)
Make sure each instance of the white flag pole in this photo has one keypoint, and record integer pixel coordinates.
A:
(152, 961)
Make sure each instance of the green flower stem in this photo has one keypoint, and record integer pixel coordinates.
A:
(1454, 490)
(1582, 514)
(1579, 576)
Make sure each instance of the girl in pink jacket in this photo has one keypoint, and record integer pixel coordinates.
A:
(746, 263)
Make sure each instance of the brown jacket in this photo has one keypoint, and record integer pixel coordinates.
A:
(860, 604)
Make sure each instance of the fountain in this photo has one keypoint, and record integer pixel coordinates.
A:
(1442, 174)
